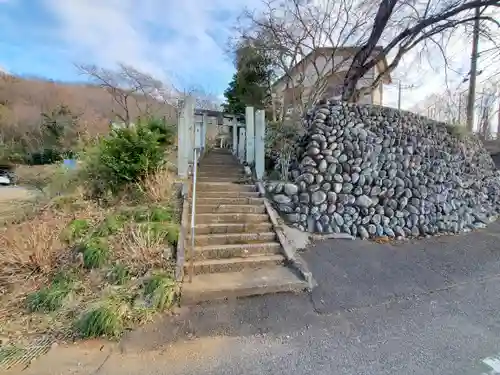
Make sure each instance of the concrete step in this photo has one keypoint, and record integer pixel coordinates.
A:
(234, 264)
(223, 186)
(226, 178)
(219, 228)
(227, 194)
(246, 283)
(230, 208)
(221, 172)
(232, 251)
(213, 161)
(228, 200)
(242, 239)
(230, 218)
(221, 168)
(216, 162)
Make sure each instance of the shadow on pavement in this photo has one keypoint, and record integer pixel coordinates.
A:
(353, 274)
(354, 278)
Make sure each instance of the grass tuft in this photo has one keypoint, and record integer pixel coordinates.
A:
(155, 214)
(160, 289)
(52, 297)
(105, 320)
(119, 274)
(111, 225)
(95, 253)
(76, 230)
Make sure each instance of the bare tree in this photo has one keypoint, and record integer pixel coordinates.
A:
(448, 106)
(132, 91)
(289, 31)
(203, 98)
(487, 112)
(417, 24)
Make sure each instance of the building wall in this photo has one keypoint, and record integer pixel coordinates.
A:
(307, 77)
(377, 95)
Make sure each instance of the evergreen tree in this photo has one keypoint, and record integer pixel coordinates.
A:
(251, 82)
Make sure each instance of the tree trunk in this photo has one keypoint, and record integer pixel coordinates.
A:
(358, 66)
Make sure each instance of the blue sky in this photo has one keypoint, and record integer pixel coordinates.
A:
(177, 41)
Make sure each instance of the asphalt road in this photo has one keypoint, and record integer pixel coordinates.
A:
(427, 307)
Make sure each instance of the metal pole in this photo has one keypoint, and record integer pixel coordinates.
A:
(193, 213)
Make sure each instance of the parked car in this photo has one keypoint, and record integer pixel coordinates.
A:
(7, 176)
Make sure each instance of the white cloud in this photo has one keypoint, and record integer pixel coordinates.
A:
(183, 41)
(176, 40)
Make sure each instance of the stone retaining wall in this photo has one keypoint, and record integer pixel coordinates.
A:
(373, 171)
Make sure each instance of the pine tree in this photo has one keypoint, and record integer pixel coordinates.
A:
(251, 82)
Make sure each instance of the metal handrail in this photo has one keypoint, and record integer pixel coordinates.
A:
(193, 213)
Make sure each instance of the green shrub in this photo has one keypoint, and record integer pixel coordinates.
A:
(160, 289)
(95, 253)
(166, 131)
(126, 156)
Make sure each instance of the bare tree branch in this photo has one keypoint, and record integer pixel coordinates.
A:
(448, 17)
(135, 93)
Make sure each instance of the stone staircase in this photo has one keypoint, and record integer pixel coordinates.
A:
(236, 250)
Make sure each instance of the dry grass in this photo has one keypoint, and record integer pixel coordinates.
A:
(158, 187)
(36, 247)
(37, 176)
(33, 249)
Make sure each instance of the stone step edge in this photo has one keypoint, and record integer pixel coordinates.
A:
(225, 193)
(215, 199)
(235, 260)
(208, 225)
(189, 297)
(204, 214)
(215, 205)
(267, 243)
(224, 183)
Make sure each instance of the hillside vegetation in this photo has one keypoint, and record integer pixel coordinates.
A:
(91, 252)
(35, 111)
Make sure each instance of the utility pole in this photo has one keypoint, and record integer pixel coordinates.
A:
(473, 72)
(400, 91)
